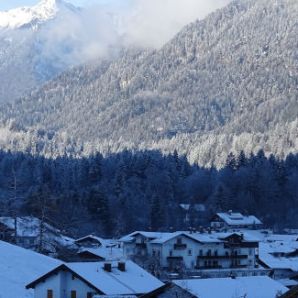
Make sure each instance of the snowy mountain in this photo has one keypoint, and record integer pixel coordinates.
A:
(30, 51)
(32, 16)
(223, 84)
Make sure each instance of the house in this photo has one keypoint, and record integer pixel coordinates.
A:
(279, 256)
(90, 241)
(135, 244)
(18, 266)
(80, 280)
(169, 290)
(95, 254)
(248, 287)
(232, 220)
(28, 230)
(200, 251)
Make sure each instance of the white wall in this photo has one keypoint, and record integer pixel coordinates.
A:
(62, 284)
(162, 251)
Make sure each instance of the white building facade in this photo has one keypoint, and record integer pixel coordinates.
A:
(196, 250)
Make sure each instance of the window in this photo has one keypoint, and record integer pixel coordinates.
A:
(215, 253)
(73, 294)
(171, 253)
(189, 252)
(153, 253)
(201, 252)
(50, 294)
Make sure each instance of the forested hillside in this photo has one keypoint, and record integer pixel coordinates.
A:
(142, 190)
(232, 76)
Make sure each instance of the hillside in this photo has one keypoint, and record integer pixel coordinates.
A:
(233, 75)
(27, 60)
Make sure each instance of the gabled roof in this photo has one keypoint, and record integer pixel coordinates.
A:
(205, 237)
(149, 235)
(134, 280)
(106, 253)
(91, 237)
(237, 219)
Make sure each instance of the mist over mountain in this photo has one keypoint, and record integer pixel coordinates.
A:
(225, 83)
(40, 42)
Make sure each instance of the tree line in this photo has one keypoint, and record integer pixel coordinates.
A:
(132, 190)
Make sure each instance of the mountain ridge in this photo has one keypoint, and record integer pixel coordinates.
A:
(228, 74)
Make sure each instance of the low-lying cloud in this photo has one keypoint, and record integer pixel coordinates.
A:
(98, 30)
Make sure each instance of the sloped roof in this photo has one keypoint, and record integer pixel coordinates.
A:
(134, 280)
(204, 237)
(149, 235)
(249, 287)
(106, 253)
(18, 266)
(267, 250)
(236, 219)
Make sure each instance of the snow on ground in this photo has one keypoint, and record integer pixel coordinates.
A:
(18, 267)
(248, 287)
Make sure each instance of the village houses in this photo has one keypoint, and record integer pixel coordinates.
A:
(194, 250)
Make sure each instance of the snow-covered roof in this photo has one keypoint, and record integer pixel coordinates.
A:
(134, 280)
(212, 237)
(106, 253)
(197, 207)
(267, 251)
(18, 266)
(29, 226)
(91, 237)
(149, 235)
(249, 287)
(238, 219)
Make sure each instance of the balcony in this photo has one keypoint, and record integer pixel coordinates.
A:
(208, 267)
(238, 266)
(180, 246)
(223, 257)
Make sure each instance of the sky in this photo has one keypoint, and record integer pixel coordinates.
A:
(8, 4)
(108, 24)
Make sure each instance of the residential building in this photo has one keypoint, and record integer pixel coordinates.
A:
(26, 232)
(234, 220)
(194, 250)
(85, 280)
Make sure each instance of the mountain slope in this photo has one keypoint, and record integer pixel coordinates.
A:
(25, 60)
(236, 72)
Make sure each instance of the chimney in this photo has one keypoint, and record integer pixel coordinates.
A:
(107, 267)
(121, 266)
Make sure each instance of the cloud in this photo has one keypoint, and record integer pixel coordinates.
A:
(98, 30)
(154, 22)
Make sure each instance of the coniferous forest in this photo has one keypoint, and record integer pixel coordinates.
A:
(128, 191)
